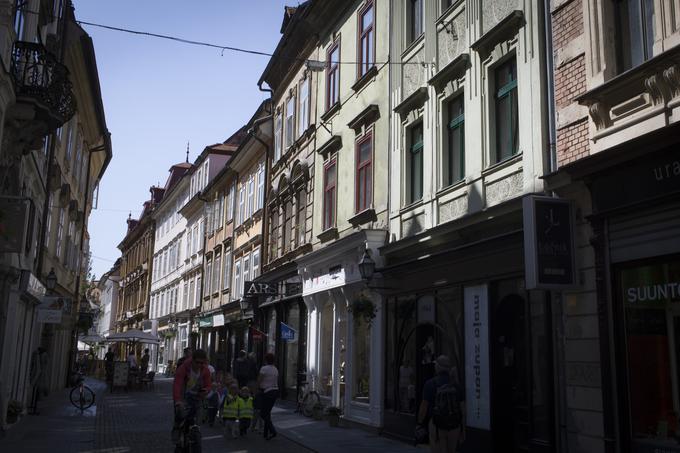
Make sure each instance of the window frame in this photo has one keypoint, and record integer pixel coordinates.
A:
(359, 168)
(369, 34)
(333, 72)
(451, 125)
(278, 135)
(413, 149)
(413, 32)
(501, 93)
(226, 274)
(329, 221)
(304, 106)
(643, 38)
(289, 127)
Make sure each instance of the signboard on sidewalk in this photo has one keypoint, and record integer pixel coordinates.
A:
(288, 334)
(120, 374)
(477, 393)
(548, 243)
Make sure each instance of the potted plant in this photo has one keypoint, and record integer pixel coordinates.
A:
(363, 308)
(317, 411)
(333, 413)
(14, 409)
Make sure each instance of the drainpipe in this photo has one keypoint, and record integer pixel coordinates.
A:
(550, 80)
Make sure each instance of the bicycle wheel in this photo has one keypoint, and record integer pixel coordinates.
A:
(195, 440)
(82, 397)
(311, 399)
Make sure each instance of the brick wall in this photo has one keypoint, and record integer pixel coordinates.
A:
(570, 82)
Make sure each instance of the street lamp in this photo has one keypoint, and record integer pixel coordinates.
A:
(51, 281)
(366, 266)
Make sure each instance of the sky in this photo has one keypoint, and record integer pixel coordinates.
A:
(159, 94)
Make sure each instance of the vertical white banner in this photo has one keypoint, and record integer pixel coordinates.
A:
(477, 395)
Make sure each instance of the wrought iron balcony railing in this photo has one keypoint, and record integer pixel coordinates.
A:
(39, 78)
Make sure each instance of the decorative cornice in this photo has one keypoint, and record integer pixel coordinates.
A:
(455, 68)
(417, 98)
(332, 144)
(367, 116)
(505, 29)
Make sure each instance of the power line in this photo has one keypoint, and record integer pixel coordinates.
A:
(222, 47)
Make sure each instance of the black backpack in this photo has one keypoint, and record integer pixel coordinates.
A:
(446, 412)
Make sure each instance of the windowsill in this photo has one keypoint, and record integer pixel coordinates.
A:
(503, 164)
(364, 79)
(365, 216)
(331, 111)
(412, 45)
(411, 206)
(328, 234)
(451, 187)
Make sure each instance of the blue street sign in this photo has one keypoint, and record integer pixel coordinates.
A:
(287, 333)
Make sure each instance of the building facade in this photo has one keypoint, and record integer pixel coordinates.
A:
(616, 100)
(108, 287)
(54, 150)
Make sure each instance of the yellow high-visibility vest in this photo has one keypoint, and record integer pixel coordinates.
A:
(245, 409)
(230, 407)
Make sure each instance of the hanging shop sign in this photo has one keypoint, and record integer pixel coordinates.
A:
(477, 401)
(256, 334)
(31, 285)
(205, 322)
(51, 309)
(288, 334)
(548, 243)
(260, 289)
(13, 224)
(218, 320)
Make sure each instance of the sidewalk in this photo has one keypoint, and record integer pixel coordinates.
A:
(59, 425)
(320, 437)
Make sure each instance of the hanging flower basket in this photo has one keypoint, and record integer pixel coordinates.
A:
(363, 308)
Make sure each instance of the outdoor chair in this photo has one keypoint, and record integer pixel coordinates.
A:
(147, 381)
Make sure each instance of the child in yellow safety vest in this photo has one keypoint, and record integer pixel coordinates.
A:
(230, 412)
(245, 410)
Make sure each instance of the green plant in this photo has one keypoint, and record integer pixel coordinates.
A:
(363, 308)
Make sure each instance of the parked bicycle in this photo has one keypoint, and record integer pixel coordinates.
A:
(308, 398)
(82, 396)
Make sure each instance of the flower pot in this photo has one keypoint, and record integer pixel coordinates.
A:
(334, 421)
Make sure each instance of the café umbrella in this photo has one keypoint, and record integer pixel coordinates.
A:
(133, 336)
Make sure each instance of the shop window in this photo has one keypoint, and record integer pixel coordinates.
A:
(454, 155)
(506, 114)
(291, 348)
(400, 395)
(414, 164)
(366, 39)
(649, 297)
(361, 351)
(326, 351)
(636, 32)
(271, 331)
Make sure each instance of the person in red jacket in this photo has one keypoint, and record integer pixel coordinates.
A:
(192, 383)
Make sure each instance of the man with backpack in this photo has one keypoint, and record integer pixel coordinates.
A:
(442, 405)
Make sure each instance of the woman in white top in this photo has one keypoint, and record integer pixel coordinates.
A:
(268, 382)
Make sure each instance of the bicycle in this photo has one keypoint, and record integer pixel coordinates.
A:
(190, 431)
(308, 398)
(82, 396)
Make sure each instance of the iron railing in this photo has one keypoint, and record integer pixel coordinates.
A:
(38, 75)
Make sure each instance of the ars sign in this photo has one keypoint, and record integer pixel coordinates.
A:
(260, 289)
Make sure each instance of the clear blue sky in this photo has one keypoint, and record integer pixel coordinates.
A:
(159, 94)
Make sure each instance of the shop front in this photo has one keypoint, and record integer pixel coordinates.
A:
(468, 301)
(345, 328)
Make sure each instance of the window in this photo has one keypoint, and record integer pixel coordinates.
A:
(194, 240)
(226, 277)
(273, 233)
(286, 234)
(208, 278)
(256, 263)
(333, 76)
(454, 157)
(241, 205)
(260, 187)
(48, 225)
(330, 180)
(69, 148)
(506, 111)
(251, 195)
(188, 254)
(178, 253)
(185, 297)
(364, 175)
(191, 294)
(237, 279)
(366, 39)
(362, 360)
(415, 164)
(301, 219)
(415, 20)
(290, 121)
(19, 18)
(303, 108)
(60, 233)
(277, 136)
(230, 203)
(636, 32)
(245, 270)
(217, 270)
(197, 301)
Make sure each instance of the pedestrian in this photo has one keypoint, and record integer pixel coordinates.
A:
(245, 411)
(35, 377)
(187, 354)
(268, 381)
(257, 423)
(230, 412)
(442, 408)
(241, 367)
(108, 364)
(145, 363)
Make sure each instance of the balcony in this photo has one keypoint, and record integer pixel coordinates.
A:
(41, 82)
